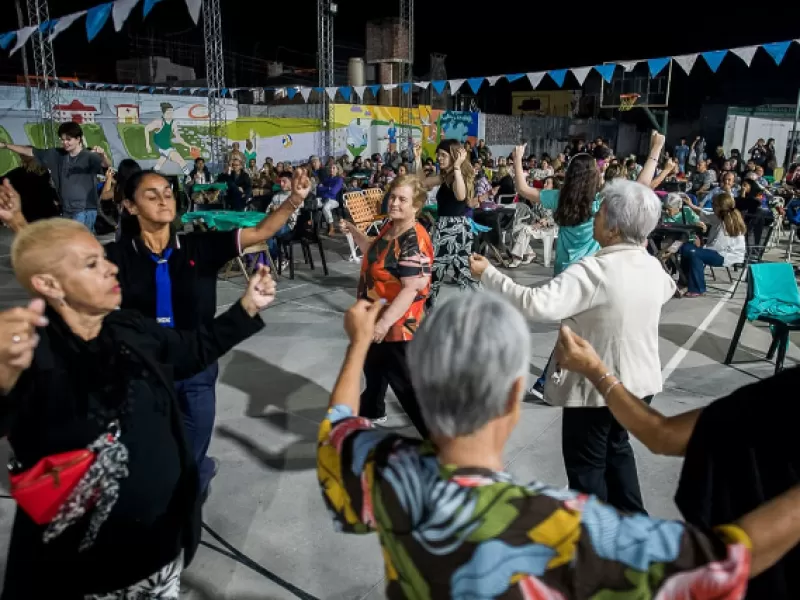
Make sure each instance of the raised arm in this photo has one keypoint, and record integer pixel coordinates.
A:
(277, 218)
(670, 166)
(362, 240)
(21, 150)
(649, 168)
(523, 189)
(431, 181)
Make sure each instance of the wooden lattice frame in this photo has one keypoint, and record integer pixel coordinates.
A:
(361, 209)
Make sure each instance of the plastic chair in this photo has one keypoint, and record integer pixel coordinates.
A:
(754, 254)
(363, 211)
(305, 233)
(771, 287)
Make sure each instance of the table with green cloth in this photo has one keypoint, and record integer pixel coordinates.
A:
(207, 193)
(224, 220)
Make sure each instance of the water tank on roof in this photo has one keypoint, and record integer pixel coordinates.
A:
(355, 72)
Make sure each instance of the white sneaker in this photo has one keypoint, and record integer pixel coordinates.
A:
(380, 421)
(514, 263)
(529, 259)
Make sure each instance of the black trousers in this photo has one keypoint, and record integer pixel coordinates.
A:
(599, 458)
(386, 365)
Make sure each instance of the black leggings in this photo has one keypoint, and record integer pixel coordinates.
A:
(386, 365)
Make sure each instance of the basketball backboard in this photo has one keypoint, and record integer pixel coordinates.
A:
(653, 91)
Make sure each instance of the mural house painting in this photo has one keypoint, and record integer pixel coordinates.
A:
(169, 131)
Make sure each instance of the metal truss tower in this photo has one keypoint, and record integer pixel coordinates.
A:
(407, 76)
(45, 65)
(215, 80)
(326, 11)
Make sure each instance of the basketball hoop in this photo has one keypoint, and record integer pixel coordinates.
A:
(626, 101)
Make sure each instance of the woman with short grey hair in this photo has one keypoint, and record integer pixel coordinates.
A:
(614, 299)
(453, 524)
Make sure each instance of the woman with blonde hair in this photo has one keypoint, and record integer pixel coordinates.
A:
(395, 270)
(724, 247)
(101, 385)
(452, 239)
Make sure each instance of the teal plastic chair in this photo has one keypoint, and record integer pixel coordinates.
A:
(773, 298)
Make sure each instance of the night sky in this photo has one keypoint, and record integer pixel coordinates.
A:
(500, 38)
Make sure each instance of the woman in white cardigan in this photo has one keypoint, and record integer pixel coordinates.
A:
(612, 299)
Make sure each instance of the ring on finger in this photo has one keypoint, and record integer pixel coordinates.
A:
(16, 339)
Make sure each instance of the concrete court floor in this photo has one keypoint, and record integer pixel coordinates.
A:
(274, 388)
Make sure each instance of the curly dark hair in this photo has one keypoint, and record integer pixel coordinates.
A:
(581, 184)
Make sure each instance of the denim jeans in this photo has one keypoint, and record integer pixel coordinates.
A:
(693, 263)
(87, 217)
(197, 398)
(272, 242)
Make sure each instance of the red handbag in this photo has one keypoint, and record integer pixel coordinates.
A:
(41, 490)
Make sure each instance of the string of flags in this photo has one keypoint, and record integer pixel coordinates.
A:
(95, 20)
(119, 11)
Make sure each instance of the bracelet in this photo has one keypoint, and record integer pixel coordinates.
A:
(599, 381)
(609, 388)
(294, 206)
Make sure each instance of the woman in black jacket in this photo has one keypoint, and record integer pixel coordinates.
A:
(102, 378)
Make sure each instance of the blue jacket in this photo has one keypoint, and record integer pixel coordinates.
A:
(330, 188)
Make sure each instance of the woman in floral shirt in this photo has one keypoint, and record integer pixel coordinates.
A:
(453, 524)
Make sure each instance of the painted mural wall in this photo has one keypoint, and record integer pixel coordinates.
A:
(168, 132)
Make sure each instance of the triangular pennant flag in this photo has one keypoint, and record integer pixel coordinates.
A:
(291, 93)
(122, 8)
(475, 83)
(22, 36)
(777, 50)
(389, 86)
(455, 85)
(606, 71)
(305, 92)
(405, 87)
(714, 58)
(6, 39)
(535, 79)
(96, 19)
(746, 54)
(193, 90)
(514, 77)
(686, 62)
(581, 73)
(47, 26)
(438, 85)
(224, 92)
(64, 23)
(493, 79)
(629, 65)
(559, 75)
(422, 84)
(148, 6)
(359, 90)
(194, 7)
(331, 91)
(346, 91)
(375, 89)
(152, 90)
(656, 65)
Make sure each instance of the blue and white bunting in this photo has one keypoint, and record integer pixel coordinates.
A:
(374, 89)
(65, 23)
(291, 93)
(656, 65)
(121, 11)
(455, 85)
(475, 83)
(714, 59)
(438, 85)
(777, 50)
(535, 78)
(148, 6)
(580, 73)
(514, 76)
(606, 71)
(194, 7)
(558, 75)
(96, 19)
(746, 53)
(686, 62)
(22, 37)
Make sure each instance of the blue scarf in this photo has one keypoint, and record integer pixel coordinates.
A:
(164, 314)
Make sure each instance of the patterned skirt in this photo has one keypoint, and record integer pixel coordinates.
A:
(164, 584)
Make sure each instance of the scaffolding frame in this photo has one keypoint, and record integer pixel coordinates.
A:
(326, 11)
(215, 80)
(406, 133)
(45, 65)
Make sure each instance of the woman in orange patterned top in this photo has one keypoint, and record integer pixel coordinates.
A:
(395, 270)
